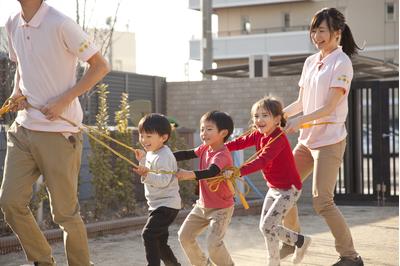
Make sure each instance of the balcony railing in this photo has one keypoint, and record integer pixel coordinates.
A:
(262, 30)
(195, 4)
(243, 46)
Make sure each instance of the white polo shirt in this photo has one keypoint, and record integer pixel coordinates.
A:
(47, 49)
(317, 77)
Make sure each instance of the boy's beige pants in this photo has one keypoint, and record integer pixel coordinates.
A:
(197, 222)
(324, 162)
(29, 155)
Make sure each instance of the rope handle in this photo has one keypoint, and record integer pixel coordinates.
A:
(232, 183)
(10, 103)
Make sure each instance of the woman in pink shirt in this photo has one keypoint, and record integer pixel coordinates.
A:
(324, 89)
(275, 159)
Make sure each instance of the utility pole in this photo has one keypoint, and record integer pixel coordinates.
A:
(206, 40)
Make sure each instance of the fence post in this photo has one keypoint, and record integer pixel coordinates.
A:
(160, 95)
(380, 145)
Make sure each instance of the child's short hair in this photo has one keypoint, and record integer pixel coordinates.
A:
(271, 105)
(155, 123)
(221, 119)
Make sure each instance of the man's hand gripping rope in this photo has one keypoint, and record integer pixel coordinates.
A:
(13, 104)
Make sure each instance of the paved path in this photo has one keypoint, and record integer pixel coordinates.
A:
(375, 232)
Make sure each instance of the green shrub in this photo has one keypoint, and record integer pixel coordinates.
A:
(122, 169)
(103, 178)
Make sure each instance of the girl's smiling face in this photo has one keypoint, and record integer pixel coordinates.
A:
(264, 121)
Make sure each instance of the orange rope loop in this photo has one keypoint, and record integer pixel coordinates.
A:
(235, 177)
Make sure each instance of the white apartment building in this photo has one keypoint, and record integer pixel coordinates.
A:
(275, 28)
(121, 52)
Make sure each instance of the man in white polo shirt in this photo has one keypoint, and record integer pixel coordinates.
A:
(46, 45)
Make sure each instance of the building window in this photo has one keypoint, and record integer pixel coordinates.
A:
(286, 21)
(246, 25)
(390, 12)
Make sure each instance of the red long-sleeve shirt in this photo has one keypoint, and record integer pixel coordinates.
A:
(276, 161)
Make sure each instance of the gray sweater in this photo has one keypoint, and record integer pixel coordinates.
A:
(161, 189)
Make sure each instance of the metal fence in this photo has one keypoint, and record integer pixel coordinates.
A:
(138, 87)
(371, 162)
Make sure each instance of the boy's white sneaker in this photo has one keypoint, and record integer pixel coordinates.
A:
(300, 252)
(273, 262)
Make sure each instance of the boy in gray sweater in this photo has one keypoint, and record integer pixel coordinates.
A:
(157, 169)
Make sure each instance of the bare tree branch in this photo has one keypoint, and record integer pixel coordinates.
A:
(101, 36)
(90, 15)
(112, 27)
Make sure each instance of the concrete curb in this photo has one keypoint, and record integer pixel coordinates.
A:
(10, 244)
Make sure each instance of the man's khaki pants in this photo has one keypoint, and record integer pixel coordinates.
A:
(324, 162)
(29, 155)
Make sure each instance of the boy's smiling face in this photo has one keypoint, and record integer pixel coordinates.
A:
(210, 135)
(152, 141)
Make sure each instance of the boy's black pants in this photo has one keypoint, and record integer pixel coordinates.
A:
(155, 236)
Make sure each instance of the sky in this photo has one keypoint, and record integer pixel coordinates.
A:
(163, 29)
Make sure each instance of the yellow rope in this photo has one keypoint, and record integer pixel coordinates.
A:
(261, 150)
(308, 125)
(105, 145)
(10, 103)
(213, 183)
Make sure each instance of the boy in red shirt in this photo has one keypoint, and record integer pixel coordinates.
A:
(214, 208)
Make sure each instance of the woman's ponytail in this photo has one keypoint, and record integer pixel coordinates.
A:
(347, 42)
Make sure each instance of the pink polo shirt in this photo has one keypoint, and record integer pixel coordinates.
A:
(317, 77)
(223, 197)
(47, 49)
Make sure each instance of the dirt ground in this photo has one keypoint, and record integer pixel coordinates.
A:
(374, 229)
